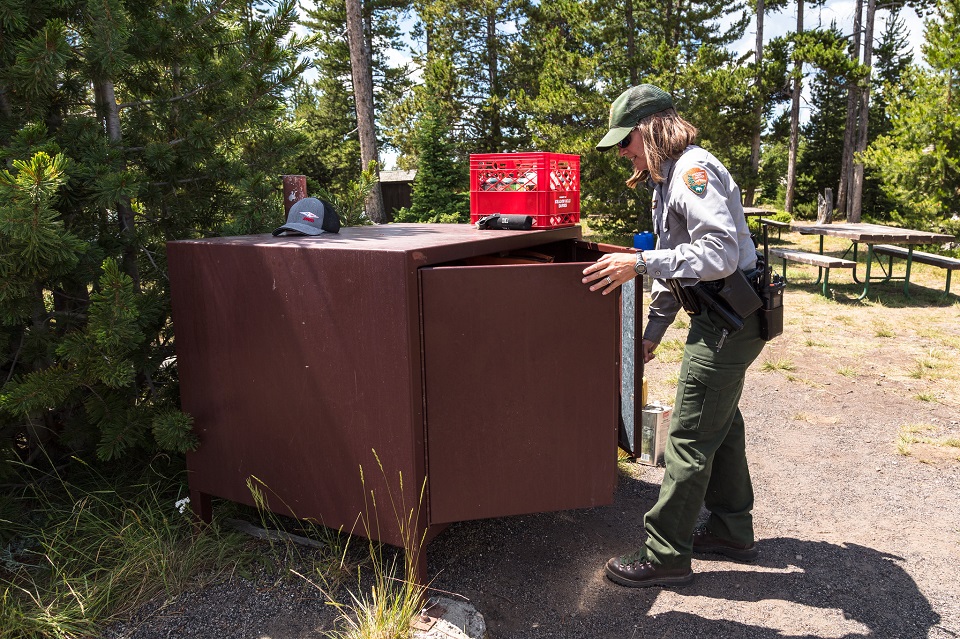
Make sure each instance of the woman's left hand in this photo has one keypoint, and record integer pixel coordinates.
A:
(610, 271)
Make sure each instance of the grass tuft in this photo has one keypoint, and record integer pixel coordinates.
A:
(779, 364)
(395, 597)
(670, 351)
(89, 555)
(911, 434)
(882, 329)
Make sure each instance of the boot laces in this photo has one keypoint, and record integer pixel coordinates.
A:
(638, 557)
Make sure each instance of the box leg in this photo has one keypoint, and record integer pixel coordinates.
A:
(420, 567)
(201, 507)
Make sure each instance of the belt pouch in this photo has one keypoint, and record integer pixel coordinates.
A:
(771, 315)
(739, 294)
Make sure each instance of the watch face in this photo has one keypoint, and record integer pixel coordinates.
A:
(640, 267)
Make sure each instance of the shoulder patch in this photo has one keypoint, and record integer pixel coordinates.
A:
(696, 180)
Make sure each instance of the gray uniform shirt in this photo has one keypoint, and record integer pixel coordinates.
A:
(702, 233)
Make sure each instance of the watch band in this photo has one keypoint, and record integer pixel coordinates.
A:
(640, 267)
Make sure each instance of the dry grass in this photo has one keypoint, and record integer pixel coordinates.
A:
(900, 346)
(929, 443)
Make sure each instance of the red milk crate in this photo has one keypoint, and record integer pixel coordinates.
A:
(543, 185)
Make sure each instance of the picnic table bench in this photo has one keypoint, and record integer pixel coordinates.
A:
(951, 264)
(873, 235)
(823, 262)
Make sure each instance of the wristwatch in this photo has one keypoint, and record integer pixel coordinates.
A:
(640, 267)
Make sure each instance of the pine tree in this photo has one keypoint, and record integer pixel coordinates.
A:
(440, 190)
(125, 125)
(325, 107)
(819, 166)
(567, 109)
(893, 57)
(916, 159)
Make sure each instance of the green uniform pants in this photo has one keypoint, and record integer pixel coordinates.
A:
(705, 454)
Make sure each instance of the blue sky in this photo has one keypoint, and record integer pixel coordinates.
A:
(779, 24)
(840, 11)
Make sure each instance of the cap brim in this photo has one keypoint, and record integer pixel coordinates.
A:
(302, 229)
(614, 136)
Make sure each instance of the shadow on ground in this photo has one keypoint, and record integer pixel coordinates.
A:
(542, 576)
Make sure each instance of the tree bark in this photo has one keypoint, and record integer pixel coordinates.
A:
(493, 77)
(825, 206)
(849, 133)
(856, 188)
(794, 121)
(750, 193)
(5, 109)
(106, 94)
(360, 65)
(632, 41)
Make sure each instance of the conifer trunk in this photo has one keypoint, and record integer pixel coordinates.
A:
(750, 193)
(5, 109)
(493, 76)
(631, 41)
(363, 96)
(794, 122)
(846, 160)
(128, 230)
(856, 187)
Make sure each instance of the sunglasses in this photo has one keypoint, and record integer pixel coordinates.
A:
(625, 142)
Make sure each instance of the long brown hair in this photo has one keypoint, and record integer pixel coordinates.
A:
(665, 135)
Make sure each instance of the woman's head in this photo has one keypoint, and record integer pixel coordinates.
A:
(645, 128)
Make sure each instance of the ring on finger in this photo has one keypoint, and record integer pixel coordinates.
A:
(609, 281)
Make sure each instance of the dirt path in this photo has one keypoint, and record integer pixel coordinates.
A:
(857, 538)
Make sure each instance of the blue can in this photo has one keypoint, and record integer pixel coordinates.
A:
(644, 241)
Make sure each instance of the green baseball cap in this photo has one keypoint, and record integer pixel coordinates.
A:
(633, 105)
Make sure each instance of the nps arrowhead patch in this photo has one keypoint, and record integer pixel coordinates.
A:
(696, 180)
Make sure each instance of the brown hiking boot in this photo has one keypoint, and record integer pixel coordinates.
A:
(705, 541)
(636, 571)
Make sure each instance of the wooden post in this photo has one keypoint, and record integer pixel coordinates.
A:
(825, 207)
(294, 190)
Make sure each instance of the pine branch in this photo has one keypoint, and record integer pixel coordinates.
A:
(216, 10)
(178, 182)
(16, 356)
(253, 100)
(159, 270)
(176, 98)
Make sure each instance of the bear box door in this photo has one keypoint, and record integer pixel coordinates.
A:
(521, 382)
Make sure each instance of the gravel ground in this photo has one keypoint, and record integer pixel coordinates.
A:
(856, 538)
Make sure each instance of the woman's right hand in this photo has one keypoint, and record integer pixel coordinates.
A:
(647, 347)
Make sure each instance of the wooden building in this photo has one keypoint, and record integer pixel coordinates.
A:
(397, 190)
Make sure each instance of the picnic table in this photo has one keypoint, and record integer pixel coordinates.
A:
(873, 235)
(751, 212)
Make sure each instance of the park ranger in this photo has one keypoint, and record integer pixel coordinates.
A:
(702, 238)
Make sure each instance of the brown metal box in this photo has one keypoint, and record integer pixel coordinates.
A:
(304, 360)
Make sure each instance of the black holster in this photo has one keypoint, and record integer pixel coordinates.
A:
(733, 299)
(689, 300)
